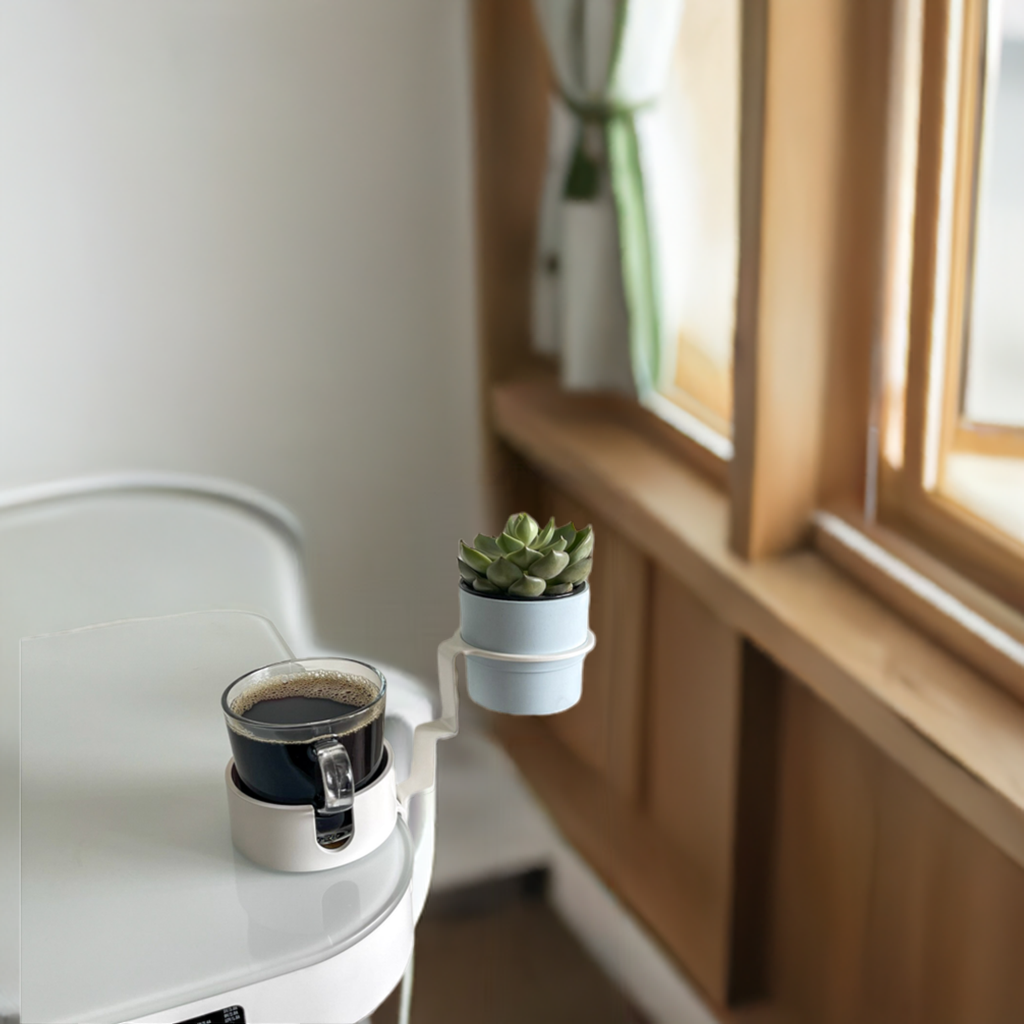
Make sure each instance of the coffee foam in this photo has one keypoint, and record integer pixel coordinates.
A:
(322, 683)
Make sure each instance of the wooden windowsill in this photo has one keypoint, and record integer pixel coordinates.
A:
(538, 385)
(949, 726)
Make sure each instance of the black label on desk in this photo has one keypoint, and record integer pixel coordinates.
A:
(229, 1015)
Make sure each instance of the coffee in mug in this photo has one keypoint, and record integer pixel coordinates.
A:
(308, 732)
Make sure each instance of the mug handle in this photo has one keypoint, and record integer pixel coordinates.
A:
(336, 772)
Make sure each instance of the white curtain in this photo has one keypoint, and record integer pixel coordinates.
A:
(597, 294)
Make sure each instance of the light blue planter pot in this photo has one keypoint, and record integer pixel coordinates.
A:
(549, 625)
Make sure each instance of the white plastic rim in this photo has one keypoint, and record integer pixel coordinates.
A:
(283, 836)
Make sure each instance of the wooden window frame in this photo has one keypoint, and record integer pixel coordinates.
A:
(824, 273)
(807, 459)
(956, 36)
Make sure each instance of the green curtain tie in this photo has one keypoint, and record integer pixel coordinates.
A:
(602, 110)
(617, 124)
(583, 182)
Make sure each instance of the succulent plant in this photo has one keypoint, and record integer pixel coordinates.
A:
(527, 561)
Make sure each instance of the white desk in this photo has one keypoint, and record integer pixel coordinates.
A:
(133, 899)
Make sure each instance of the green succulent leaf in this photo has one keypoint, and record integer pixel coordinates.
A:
(543, 539)
(582, 536)
(566, 533)
(554, 589)
(576, 573)
(509, 544)
(528, 586)
(473, 558)
(467, 572)
(488, 545)
(502, 573)
(550, 565)
(523, 527)
(584, 547)
(525, 558)
(528, 561)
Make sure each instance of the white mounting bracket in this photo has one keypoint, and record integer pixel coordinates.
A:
(423, 772)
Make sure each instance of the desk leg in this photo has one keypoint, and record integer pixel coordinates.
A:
(405, 1003)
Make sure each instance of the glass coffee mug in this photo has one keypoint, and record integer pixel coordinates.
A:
(308, 731)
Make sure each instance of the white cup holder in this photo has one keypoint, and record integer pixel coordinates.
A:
(283, 837)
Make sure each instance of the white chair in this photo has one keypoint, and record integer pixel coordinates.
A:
(101, 549)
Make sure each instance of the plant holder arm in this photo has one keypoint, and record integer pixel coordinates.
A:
(423, 771)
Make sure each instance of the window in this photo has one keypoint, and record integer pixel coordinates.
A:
(984, 466)
(696, 172)
(953, 450)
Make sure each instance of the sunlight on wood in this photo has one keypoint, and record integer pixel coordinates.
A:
(990, 486)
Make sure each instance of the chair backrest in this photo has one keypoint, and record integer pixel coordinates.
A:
(134, 545)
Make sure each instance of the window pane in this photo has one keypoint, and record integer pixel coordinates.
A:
(695, 171)
(994, 391)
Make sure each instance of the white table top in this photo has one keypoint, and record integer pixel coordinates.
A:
(133, 898)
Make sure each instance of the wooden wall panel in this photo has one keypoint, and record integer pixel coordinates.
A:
(604, 729)
(755, 812)
(888, 907)
(622, 845)
(693, 749)
(826, 830)
(777, 853)
(675, 729)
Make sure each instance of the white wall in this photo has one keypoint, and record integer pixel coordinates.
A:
(235, 239)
